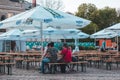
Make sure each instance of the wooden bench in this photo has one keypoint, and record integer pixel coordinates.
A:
(109, 62)
(2, 68)
(96, 61)
(31, 60)
(82, 63)
(9, 67)
(19, 61)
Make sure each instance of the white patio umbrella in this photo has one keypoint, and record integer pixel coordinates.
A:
(41, 17)
(38, 15)
(80, 35)
(59, 34)
(13, 35)
(116, 29)
(103, 34)
(52, 33)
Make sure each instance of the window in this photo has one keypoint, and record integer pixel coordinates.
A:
(14, 0)
(2, 30)
(3, 17)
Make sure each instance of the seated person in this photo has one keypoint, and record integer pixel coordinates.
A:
(66, 57)
(49, 56)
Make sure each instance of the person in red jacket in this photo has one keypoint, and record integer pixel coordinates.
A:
(66, 53)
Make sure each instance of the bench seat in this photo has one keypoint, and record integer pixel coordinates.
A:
(82, 63)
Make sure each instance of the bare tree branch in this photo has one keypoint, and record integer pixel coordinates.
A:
(118, 12)
(55, 4)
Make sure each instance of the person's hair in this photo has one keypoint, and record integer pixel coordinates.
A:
(104, 39)
(48, 45)
(65, 45)
(52, 44)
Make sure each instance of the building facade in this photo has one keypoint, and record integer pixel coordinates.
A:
(9, 8)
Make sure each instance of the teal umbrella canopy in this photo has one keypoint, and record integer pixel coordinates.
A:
(34, 17)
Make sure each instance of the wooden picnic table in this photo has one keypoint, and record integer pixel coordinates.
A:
(6, 63)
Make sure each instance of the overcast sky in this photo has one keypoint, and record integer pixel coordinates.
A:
(72, 5)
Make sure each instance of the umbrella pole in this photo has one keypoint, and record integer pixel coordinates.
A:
(41, 33)
(5, 45)
(64, 38)
(95, 42)
(76, 45)
(49, 37)
(117, 45)
(10, 46)
(20, 46)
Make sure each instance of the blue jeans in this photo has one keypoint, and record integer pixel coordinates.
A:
(44, 61)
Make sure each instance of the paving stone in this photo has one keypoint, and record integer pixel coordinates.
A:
(90, 74)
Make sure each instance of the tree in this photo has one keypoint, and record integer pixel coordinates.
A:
(90, 29)
(118, 15)
(55, 4)
(89, 11)
(107, 17)
(101, 17)
(104, 17)
(86, 10)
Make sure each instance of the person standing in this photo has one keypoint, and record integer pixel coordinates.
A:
(103, 48)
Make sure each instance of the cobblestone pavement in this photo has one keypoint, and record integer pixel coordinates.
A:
(90, 74)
